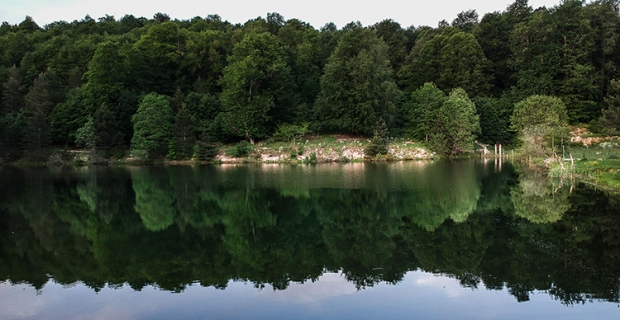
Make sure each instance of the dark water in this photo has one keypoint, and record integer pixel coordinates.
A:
(443, 240)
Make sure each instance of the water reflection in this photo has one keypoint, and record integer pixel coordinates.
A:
(274, 226)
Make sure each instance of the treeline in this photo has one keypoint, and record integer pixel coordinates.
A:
(172, 228)
(174, 87)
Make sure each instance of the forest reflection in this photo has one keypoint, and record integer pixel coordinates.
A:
(171, 227)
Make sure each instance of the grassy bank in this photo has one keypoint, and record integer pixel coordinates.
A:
(597, 163)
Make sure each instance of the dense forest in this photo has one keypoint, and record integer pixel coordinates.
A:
(165, 87)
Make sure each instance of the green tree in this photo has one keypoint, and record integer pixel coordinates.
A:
(578, 86)
(610, 121)
(457, 125)
(378, 144)
(451, 59)
(152, 125)
(494, 116)
(256, 74)
(106, 127)
(107, 74)
(39, 103)
(466, 20)
(68, 116)
(357, 86)
(604, 19)
(12, 93)
(396, 39)
(302, 46)
(158, 57)
(540, 123)
(421, 110)
(205, 58)
(86, 136)
(184, 138)
(493, 34)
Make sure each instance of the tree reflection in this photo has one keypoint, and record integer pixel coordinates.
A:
(173, 227)
(154, 198)
(536, 199)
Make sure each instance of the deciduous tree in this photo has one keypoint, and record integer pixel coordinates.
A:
(357, 87)
(152, 125)
(457, 125)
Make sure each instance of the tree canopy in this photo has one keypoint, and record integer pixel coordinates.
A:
(244, 81)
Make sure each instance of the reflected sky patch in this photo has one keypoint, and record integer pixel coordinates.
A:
(420, 295)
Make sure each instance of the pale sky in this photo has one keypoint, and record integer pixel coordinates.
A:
(315, 12)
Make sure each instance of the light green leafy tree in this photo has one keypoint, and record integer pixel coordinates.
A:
(420, 111)
(291, 132)
(152, 125)
(457, 125)
(541, 123)
(86, 135)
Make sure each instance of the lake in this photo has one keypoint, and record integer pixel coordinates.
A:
(422, 239)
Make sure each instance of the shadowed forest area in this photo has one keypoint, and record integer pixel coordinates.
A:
(174, 88)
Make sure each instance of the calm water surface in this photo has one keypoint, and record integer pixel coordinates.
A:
(424, 240)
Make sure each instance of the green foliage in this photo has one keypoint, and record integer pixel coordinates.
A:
(12, 92)
(457, 125)
(67, 117)
(451, 59)
(152, 125)
(106, 128)
(396, 39)
(291, 132)
(421, 110)
(107, 75)
(241, 150)
(357, 87)
(37, 135)
(12, 133)
(256, 74)
(184, 138)
(158, 57)
(244, 80)
(378, 144)
(494, 116)
(610, 121)
(541, 123)
(204, 150)
(86, 136)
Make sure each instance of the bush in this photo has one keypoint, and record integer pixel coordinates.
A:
(241, 150)
(311, 158)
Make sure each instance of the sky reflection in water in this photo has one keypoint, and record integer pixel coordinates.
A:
(420, 295)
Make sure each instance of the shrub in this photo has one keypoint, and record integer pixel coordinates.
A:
(241, 150)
